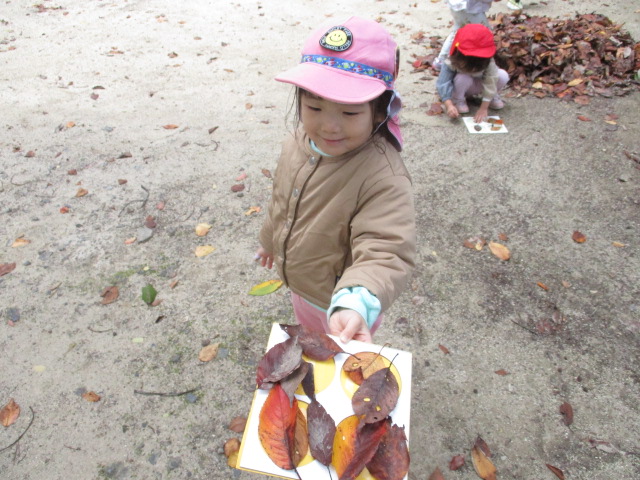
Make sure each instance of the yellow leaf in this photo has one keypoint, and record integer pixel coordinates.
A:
(81, 192)
(537, 85)
(202, 229)
(130, 240)
(574, 82)
(208, 353)
(253, 210)
(484, 467)
(204, 250)
(232, 460)
(39, 368)
(20, 242)
(500, 250)
(618, 244)
(265, 288)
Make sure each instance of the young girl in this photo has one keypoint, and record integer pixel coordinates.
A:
(463, 12)
(470, 70)
(341, 225)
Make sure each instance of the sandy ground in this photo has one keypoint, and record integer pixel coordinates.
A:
(87, 87)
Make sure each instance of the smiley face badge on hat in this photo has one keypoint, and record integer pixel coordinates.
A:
(337, 39)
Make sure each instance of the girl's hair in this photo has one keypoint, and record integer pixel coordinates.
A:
(378, 109)
(468, 63)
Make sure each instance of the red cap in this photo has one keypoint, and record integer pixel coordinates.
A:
(474, 39)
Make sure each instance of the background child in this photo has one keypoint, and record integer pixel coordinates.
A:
(471, 70)
(341, 224)
(463, 12)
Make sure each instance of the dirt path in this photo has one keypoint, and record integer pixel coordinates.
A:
(116, 111)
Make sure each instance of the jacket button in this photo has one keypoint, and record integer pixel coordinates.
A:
(296, 192)
(312, 160)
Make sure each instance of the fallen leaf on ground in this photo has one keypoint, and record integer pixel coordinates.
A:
(209, 352)
(6, 268)
(253, 210)
(230, 446)
(20, 242)
(481, 463)
(241, 177)
(237, 188)
(109, 295)
(237, 424)
(265, 288)
(9, 413)
(64, 209)
(204, 250)
(556, 471)
(130, 240)
(502, 372)
(82, 192)
(567, 413)
(170, 126)
(542, 286)
(91, 396)
(500, 251)
(476, 243)
(266, 173)
(618, 244)
(444, 349)
(150, 222)
(149, 294)
(202, 229)
(436, 474)
(456, 462)
(578, 237)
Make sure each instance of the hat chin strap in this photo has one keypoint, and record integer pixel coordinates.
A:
(393, 109)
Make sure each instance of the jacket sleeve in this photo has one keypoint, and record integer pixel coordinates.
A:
(444, 84)
(490, 81)
(383, 240)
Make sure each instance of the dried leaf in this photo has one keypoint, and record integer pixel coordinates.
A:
(266, 173)
(9, 413)
(315, 345)
(91, 397)
(64, 209)
(583, 118)
(500, 251)
(444, 349)
(367, 440)
(291, 382)
(238, 424)
(476, 243)
(377, 396)
(502, 372)
(170, 126)
(542, 286)
(300, 438)
(436, 474)
(344, 443)
(567, 413)
(281, 359)
(578, 237)
(391, 460)
(82, 192)
(209, 352)
(456, 462)
(482, 464)
(237, 187)
(362, 365)
(231, 446)
(7, 268)
(556, 471)
(204, 250)
(322, 430)
(253, 210)
(20, 242)
(276, 428)
(265, 288)
(618, 244)
(109, 295)
(150, 222)
(202, 229)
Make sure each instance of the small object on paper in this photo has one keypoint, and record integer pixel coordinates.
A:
(492, 125)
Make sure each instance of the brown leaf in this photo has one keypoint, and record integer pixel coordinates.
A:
(391, 460)
(556, 471)
(82, 192)
(476, 243)
(276, 428)
(231, 446)
(501, 372)
(322, 430)
(64, 209)
(170, 126)
(73, 171)
(377, 396)
(209, 352)
(237, 424)
(291, 382)
(362, 365)
(500, 251)
(482, 445)
(281, 359)
(109, 295)
(578, 237)
(91, 397)
(122, 181)
(150, 222)
(125, 155)
(583, 118)
(30, 154)
(567, 413)
(482, 464)
(444, 349)
(456, 462)
(237, 187)
(7, 268)
(300, 438)
(436, 474)
(315, 345)
(542, 286)
(266, 173)
(9, 413)
(503, 237)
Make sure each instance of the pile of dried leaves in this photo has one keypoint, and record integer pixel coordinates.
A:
(574, 59)
(586, 55)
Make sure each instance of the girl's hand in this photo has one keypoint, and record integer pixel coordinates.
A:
(452, 111)
(265, 258)
(483, 113)
(348, 324)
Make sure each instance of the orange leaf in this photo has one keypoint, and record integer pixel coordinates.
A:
(579, 237)
(91, 396)
(542, 286)
(231, 446)
(170, 126)
(209, 352)
(500, 251)
(277, 427)
(556, 471)
(81, 192)
(109, 295)
(344, 443)
(436, 475)
(502, 372)
(583, 118)
(300, 438)
(483, 465)
(9, 413)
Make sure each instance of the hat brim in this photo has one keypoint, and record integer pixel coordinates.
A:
(333, 84)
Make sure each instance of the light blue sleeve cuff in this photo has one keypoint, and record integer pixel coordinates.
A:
(359, 299)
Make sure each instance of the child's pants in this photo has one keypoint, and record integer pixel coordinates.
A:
(316, 319)
(465, 86)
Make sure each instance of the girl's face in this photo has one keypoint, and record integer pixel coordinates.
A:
(335, 128)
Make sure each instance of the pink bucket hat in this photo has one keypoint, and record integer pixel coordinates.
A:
(350, 62)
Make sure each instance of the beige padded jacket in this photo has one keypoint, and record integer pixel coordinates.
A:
(336, 222)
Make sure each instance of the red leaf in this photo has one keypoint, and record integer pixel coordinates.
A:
(567, 412)
(237, 188)
(583, 118)
(109, 295)
(391, 460)
(557, 472)
(277, 426)
(456, 462)
(315, 345)
(322, 430)
(436, 475)
(377, 396)
(279, 361)
(368, 438)
(578, 237)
